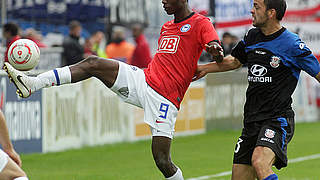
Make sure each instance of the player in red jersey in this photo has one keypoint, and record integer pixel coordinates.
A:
(10, 32)
(159, 89)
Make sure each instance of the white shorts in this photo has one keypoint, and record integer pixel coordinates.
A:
(159, 113)
(3, 159)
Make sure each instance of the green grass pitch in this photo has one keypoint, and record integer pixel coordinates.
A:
(199, 155)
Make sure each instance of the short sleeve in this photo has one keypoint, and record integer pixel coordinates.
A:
(239, 52)
(304, 59)
(207, 32)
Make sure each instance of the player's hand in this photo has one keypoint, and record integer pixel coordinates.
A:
(200, 73)
(215, 50)
(14, 156)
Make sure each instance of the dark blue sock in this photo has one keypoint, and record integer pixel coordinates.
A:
(272, 177)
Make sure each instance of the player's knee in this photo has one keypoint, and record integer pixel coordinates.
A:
(162, 163)
(92, 62)
(262, 157)
(257, 162)
(18, 174)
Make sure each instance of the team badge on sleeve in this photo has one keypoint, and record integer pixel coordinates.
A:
(275, 61)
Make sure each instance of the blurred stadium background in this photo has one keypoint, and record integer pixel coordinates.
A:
(83, 131)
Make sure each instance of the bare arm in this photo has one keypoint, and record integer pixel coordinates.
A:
(228, 63)
(5, 140)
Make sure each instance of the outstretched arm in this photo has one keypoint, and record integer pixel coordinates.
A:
(214, 48)
(228, 63)
(5, 141)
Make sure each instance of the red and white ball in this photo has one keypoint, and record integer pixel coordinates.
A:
(24, 54)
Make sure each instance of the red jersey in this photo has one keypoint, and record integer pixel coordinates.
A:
(141, 55)
(13, 39)
(179, 48)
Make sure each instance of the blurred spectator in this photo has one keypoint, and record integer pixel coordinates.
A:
(227, 43)
(141, 55)
(119, 48)
(88, 46)
(235, 40)
(72, 50)
(97, 38)
(35, 36)
(10, 32)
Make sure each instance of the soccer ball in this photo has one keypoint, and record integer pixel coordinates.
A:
(24, 54)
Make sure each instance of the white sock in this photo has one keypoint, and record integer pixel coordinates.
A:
(21, 178)
(54, 77)
(176, 176)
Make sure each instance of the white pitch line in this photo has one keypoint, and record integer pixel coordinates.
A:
(212, 176)
(226, 173)
(305, 158)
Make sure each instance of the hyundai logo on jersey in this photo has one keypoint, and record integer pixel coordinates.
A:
(258, 73)
(258, 70)
(185, 28)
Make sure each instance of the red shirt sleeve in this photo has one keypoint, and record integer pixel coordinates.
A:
(207, 32)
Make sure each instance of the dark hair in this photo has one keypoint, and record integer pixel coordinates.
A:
(74, 24)
(12, 28)
(279, 5)
(226, 34)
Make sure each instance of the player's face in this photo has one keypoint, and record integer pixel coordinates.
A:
(172, 6)
(259, 13)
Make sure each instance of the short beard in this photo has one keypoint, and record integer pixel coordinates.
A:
(261, 24)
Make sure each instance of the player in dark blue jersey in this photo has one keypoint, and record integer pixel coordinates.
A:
(274, 57)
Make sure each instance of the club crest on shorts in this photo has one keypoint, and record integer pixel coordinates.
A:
(269, 133)
(124, 91)
(275, 61)
(185, 28)
(134, 68)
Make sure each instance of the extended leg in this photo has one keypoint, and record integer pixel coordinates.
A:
(104, 69)
(243, 172)
(161, 155)
(262, 161)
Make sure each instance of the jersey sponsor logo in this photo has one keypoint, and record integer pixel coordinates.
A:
(185, 28)
(169, 44)
(259, 79)
(269, 133)
(258, 70)
(258, 73)
(275, 61)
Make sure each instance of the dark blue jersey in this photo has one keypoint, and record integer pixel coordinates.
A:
(274, 64)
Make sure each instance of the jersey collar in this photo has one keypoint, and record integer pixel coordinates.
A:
(185, 18)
